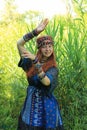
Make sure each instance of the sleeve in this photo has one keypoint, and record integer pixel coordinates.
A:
(52, 74)
(25, 63)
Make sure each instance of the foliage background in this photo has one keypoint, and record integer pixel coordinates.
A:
(70, 36)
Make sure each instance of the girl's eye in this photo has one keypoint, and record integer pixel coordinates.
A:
(43, 46)
(50, 46)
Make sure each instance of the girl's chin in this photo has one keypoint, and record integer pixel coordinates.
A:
(47, 55)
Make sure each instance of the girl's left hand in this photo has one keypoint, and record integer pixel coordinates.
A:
(28, 54)
(42, 25)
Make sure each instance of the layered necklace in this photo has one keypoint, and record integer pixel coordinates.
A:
(43, 61)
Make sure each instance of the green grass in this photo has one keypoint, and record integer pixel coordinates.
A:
(70, 37)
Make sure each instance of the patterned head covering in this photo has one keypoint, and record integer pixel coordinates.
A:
(43, 40)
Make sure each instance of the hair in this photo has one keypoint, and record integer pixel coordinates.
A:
(51, 62)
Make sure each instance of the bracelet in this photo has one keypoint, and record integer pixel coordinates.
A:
(35, 60)
(30, 35)
(35, 33)
(38, 67)
(42, 76)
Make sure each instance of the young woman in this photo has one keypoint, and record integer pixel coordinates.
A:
(40, 109)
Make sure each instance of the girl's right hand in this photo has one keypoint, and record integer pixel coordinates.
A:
(28, 54)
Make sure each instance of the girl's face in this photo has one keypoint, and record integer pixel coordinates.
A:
(47, 50)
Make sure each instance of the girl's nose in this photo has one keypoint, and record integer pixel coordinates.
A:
(47, 47)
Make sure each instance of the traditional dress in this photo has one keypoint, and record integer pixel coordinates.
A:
(41, 110)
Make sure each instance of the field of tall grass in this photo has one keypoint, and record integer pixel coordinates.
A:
(70, 37)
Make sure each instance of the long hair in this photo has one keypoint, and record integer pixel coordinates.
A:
(51, 62)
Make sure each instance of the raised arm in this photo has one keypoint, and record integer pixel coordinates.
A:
(21, 42)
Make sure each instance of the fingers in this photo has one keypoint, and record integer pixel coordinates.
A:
(25, 53)
(46, 20)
